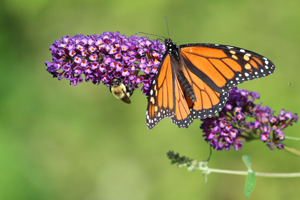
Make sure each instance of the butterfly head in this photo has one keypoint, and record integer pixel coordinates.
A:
(172, 48)
(169, 43)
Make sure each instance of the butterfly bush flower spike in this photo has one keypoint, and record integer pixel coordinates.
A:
(242, 120)
(104, 57)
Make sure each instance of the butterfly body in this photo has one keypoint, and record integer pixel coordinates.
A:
(193, 80)
(177, 66)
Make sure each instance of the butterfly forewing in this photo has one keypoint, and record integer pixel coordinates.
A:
(161, 99)
(227, 66)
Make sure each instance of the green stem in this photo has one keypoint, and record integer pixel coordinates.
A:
(292, 150)
(291, 138)
(264, 174)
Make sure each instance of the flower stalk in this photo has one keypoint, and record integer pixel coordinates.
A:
(193, 164)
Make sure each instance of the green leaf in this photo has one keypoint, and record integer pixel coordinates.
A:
(247, 161)
(250, 183)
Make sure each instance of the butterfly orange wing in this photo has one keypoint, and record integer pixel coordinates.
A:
(208, 101)
(160, 99)
(166, 96)
(223, 67)
(212, 70)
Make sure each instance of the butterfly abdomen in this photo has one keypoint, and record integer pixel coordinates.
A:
(186, 86)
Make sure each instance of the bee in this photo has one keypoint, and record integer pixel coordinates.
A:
(120, 91)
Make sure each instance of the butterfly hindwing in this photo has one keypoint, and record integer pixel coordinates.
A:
(182, 116)
(209, 102)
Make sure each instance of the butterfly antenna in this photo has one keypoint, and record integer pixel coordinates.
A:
(167, 27)
(150, 34)
(153, 35)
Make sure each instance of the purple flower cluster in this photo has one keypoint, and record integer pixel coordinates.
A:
(241, 120)
(103, 57)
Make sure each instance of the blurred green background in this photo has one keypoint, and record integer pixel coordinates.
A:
(78, 142)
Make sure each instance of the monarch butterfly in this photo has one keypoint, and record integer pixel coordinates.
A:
(193, 80)
(120, 91)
